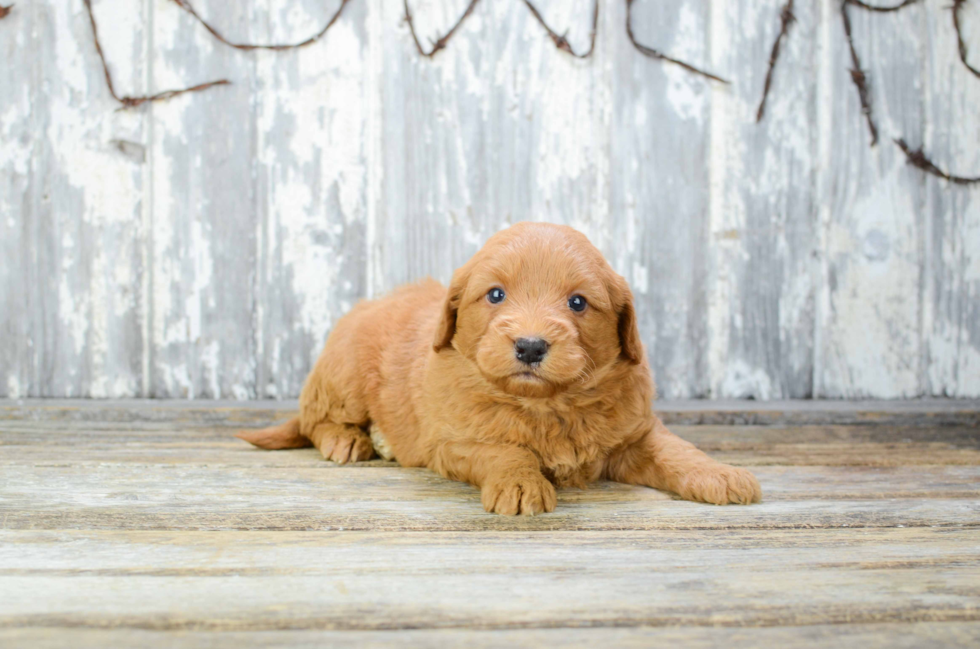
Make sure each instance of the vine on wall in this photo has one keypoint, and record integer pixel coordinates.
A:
(915, 157)
(859, 77)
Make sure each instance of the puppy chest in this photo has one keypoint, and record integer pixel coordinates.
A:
(564, 462)
(565, 448)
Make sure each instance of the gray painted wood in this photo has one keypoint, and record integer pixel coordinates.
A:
(433, 125)
(267, 581)
(168, 531)
(951, 282)
(763, 225)
(659, 172)
(871, 215)
(17, 223)
(82, 265)
(204, 247)
(856, 636)
(920, 413)
(313, 114)
(204, 214)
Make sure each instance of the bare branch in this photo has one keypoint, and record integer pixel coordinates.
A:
(132, 102)
(559, 39)
(918, 159)
(961, 44)
(857, 75)
(439, 43)
(656, 54)
(787, 18)
(186, 6)
(882, 10)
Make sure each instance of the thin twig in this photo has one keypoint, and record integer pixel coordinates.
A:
(5, 11)
(186, 6)
(787, 18)
(655, 54)
(857, 75)
(132, 102)
(919, 159)
(439, 43)
(882, 10)
(560, 40)
(961, 44)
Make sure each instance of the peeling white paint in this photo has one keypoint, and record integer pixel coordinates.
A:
(639, 278)
(741, 381)
(684, 91)
(217, 237)
(14, 390)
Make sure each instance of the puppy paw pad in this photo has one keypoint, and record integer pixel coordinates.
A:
(525, 495)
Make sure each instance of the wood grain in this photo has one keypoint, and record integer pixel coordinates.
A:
(928, 413)
(312, 183)
(858, 636)
(82, 265)
(763, 237)
(203, 217)
(871, 210)
(18, 224)
(205, 246)
(266, 581)
(659, 170)
(130, 528)
(189, 497)
(869, 446)
(432, 124)
(951, 268)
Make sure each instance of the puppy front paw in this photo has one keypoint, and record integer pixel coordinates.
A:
(526, 494)
(721, 484)
(343, 444)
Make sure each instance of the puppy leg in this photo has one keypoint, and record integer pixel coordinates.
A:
(509, 477)
(342, 443)
(662, 460)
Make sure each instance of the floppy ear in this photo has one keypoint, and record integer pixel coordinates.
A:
(631, 347)
(630, 344)
(446, 328)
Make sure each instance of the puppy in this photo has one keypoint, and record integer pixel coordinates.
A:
(526, 375)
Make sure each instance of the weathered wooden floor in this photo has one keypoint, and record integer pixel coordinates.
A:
(148, 524)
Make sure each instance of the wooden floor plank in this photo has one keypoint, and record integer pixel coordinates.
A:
(845, 636)
(229, 581)
(129, 496)
(918, 412)
(26, 442)
(149, 524)
(230, 552)
(231, 454)
(107, 483)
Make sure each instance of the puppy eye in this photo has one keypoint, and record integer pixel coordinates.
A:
(577, 303)
(496, 295)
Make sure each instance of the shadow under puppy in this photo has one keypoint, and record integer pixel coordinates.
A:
(526, 375)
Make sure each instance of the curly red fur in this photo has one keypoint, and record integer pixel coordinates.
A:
(435, 370)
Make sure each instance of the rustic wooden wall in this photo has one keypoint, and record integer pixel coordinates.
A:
(203, 247)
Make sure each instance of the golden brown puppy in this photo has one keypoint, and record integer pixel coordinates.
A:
(526, 375)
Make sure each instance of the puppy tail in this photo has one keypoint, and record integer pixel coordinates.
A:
(277, 437)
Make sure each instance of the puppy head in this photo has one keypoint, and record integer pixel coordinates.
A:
(538, 310)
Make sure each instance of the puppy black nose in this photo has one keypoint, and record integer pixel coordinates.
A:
(530, 350)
